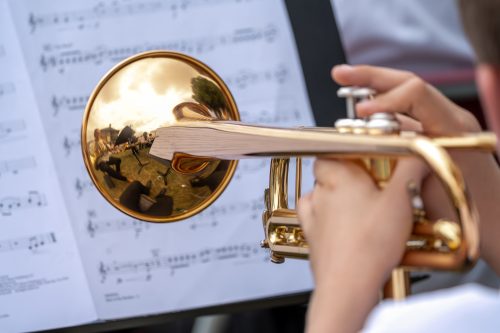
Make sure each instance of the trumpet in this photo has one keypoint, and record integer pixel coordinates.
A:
(182, 135)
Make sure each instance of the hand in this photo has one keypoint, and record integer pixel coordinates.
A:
(405, 93)
(357, 235)
(347, 217)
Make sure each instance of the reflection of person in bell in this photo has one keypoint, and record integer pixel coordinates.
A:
(144, 140)
(104, 160)
(137, 198)
(128, 140)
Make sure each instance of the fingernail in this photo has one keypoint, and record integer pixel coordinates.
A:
(364, 103)
(364, 107)
(342, 67)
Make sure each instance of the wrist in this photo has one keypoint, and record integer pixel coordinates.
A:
(364, 269)
(343, 302)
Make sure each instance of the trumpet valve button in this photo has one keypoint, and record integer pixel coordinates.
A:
(347, 93)
(358, 126)
(383, 123)
(344, 125)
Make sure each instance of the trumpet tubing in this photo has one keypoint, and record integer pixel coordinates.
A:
(143, 133)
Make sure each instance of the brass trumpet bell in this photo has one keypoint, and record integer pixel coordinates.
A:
(161, 134)
(134, 99)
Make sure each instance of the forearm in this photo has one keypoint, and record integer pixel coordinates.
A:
(343, 303)
(483, 179)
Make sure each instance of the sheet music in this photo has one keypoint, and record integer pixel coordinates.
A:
(41, 273)
(130, 265)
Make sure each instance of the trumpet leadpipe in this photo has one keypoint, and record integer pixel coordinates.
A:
(233, 140)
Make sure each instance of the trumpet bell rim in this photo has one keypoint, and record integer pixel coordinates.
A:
(172, 76)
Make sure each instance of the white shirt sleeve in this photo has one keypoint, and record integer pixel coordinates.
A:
(469, 308)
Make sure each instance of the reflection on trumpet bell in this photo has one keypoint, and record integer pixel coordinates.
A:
(120, 124)
(161, 134)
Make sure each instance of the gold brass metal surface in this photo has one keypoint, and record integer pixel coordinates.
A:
(161, 133)
(138, 96)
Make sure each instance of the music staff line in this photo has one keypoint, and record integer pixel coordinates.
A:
(87, 18)
(196, 46)
(70, 103)
(10, 204)
(238, 253)
(265, 116)
(208, 218)
(211, 216)
(10, 128)
(30, 243)
(14, 166)
(244, 79)
(97, 226)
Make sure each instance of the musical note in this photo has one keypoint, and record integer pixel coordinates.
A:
(31, 243)
(9, 128)
(91, 17)
(248, 167)
(67, 42)
(211, 216)
(16, 165)
(96, 226)
(70, 103)
(60, 57)
(10, 204)
(239, 253)
(245, 78)
(6, 88)
(266, 116)
(82, 185)
(69, 144)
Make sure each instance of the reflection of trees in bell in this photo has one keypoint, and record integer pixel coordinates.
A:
(207, 93)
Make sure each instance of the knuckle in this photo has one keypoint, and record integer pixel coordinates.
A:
(409, 75)
(468, 122)
(417, 85)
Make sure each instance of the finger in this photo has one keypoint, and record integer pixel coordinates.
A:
(422, 102)
(378, 78)
(331, 173)
(409, 124)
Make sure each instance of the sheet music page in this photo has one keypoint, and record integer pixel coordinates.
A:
(41, 274)
(136, 268)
